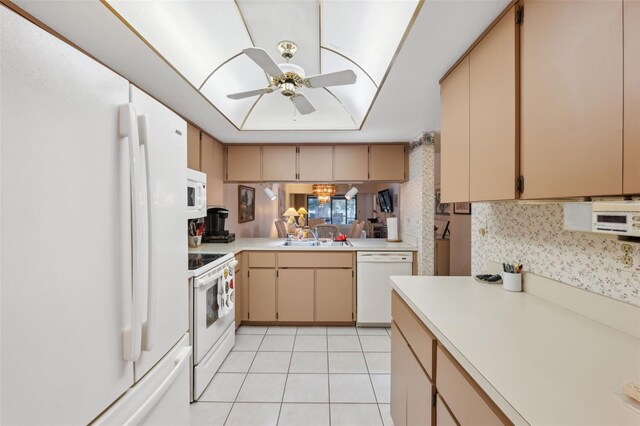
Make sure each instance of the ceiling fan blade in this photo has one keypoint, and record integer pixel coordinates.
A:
(339, 78)
(264, 61)
(250, 93)
(302, 104)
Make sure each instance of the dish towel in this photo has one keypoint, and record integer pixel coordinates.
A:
(226, 296)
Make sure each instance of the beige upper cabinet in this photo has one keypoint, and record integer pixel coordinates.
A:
(387, 162)
(193, 147)
(454, 151)
(279, 163)
(315, 163)
(212, 163)
(334, 295)
(571, 98)
(244, 163)
(295, 295)
(631, 166)
(350, 163)
(493, 113)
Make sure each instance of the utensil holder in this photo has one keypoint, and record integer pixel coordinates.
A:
(195, 240)
(511, 282)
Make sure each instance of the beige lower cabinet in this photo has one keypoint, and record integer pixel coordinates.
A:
(411, 389)
(334, 295)
(459, 399)
(262, 294)
(443, 415)
(295, 294)
(237, 285)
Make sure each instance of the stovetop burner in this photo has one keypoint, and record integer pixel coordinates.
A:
(198, 260)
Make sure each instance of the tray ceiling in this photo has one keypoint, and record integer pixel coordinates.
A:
(203, 42)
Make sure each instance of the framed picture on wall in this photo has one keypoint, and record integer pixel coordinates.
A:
(461, 208)
(246, 204)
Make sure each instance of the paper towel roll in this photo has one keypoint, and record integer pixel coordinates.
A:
(392, 229)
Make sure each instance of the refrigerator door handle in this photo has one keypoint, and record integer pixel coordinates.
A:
(148, 326)
(132, 334)
(181, 361)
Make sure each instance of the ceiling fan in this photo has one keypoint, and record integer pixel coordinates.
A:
(289, 77)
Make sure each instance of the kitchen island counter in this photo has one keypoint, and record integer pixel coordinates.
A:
(539, 362)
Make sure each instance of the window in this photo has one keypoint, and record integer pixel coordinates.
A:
(338, 211)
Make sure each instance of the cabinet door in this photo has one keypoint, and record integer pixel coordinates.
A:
(631, 164)
(295, 295)
(279, 163)
(400, 355)
(571, 98)
(262, 295)
(193, 147)
(419, 392)
(315, 163)
(334, 295)
(350, 163)
(493, 113)
(244, 164)
(443, 415)
(387, 162)
(211, 163)
(454, 151)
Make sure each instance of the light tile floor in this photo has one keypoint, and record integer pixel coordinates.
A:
(301, 376)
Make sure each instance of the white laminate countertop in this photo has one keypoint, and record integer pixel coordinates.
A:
(540, 363)
(270, 244)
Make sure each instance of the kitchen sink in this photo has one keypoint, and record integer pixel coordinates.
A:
(314, 243)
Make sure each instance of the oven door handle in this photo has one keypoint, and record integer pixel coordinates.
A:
(205, 281)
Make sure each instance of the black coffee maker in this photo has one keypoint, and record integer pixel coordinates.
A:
(214, 231)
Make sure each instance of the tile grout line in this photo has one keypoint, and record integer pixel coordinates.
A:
(286, 379)
(375, 396)
(245, 379)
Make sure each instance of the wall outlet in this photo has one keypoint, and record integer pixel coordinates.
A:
(627, 260)
(626, 248)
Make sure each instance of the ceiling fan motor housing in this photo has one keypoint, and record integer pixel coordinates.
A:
(292, 77)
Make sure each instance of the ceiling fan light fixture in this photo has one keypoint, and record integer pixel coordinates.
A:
(288, 89)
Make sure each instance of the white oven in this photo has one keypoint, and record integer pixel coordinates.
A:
(212, 320)
(196, 194)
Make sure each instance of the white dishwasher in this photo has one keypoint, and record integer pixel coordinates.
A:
(373, 293)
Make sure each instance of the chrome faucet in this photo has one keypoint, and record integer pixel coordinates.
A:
(315, 235)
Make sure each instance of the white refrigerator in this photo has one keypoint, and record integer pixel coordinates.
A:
(93, 286)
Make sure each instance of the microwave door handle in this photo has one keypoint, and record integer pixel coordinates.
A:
(150, 254)
(133, 244)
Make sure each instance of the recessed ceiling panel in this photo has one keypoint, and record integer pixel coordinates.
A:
(238, 75)
(195, 37)
(368, 32)
(274, 112)
(204, 40)
(271, 22)
(356, 97)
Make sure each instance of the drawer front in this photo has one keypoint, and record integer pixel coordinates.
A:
(443, 416)
(315, 260)
(262, 260)
(468, 404)
(419, 338)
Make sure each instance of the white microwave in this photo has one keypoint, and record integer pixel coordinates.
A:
(196, 194)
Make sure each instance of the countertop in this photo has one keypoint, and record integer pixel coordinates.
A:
(270, 244)
(539, 362)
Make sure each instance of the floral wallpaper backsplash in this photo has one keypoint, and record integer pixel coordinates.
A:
(417, 205)
(534, 235)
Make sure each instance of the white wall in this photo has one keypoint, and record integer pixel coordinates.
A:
(266, 212)
(533, 234)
